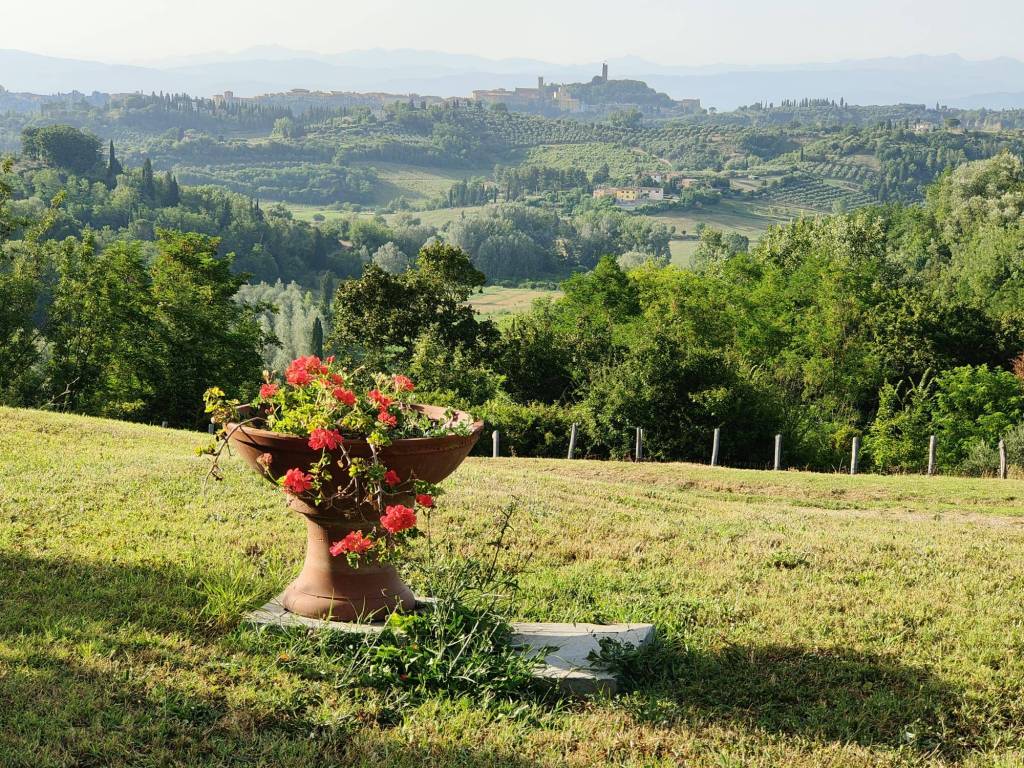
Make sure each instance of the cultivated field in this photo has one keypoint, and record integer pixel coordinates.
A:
(495, 302)
(805, 619)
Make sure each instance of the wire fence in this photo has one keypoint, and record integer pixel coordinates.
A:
(774, 461)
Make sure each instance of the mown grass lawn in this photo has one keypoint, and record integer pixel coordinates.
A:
(805, 619)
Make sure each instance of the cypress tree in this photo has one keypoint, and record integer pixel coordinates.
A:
(148, 185)
(317, 342)
(114, 167)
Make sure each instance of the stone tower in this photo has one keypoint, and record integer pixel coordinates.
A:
(604, 72)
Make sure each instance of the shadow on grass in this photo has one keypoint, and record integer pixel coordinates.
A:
(834, 695)
(178, 680)
(115, 665)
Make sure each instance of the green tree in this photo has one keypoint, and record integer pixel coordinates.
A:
(317, 338)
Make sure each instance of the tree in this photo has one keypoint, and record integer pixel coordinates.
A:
(114, 167)
(62, 146)
(202, 335)
(389, 258)
(316, 344)
(148, 186)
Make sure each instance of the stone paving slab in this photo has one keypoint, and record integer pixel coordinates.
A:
(568, 645)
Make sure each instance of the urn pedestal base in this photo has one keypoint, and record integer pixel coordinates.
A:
(329, 588)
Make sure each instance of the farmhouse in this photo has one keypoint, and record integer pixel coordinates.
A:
(630, 194)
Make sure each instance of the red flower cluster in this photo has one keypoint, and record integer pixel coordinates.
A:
(387, 418)
(344, 396)
(398, 518)
(391, 478)
(301, 370)
(425, 500)
(355, 543)
(383, 401)
(319, 439)
(267, 391)
(296, 481)
(404, 383)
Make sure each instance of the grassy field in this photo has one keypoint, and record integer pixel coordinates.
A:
(495, 302)
(750, 220)
(622, 162)
(805, 620)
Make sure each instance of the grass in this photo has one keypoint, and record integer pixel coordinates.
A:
(494, 302)
(622, 162)
(805, 619)
(750, 220)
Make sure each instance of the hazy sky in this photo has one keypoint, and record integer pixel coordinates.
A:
(563, 31)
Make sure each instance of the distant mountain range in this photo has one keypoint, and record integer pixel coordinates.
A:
(951, 80)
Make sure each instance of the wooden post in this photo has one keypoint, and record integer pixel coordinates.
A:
(210, 428)
(777, 463)
(855, 455)
(163, 424)
(931, 455)
(495, 440)
(572, 440)
(639, 451)
(715, 443)
(1003, 469)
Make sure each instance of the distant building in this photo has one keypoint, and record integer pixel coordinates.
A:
(630, 195)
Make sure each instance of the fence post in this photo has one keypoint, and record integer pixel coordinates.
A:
(715, 442)
(572, 440)
(931, 455)
(495, 440)
(210, 428)
(639, 451)
(777, 463)
(1003, 469)
(163, 424)
(855, 455)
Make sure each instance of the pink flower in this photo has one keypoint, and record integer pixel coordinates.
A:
(387, 419)
(398, 518)
(324, 438)
(267, 391)
(345, 396)
(425, 500)
(391, 478)
(355, 543)
(404, 383)
(296, 481)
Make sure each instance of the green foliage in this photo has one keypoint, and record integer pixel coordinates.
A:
(527, 429)
(62, 146)
(378, 318)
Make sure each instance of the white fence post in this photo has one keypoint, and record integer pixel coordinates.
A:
(931, 455)
(715, 443)
(777, 463)
(855, 455)
(572, 440)
(495, 440)
(1003, 468)
(639, 450)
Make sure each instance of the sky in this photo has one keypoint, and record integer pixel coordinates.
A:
(683, 32)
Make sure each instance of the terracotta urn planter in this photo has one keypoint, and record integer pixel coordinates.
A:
(328, 587)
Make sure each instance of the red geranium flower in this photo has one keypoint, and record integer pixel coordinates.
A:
(324, 438)
(391, 478)
(298, 377)
(382, 400)
(398, 518)
(267, 391)
(355, 543)
(297, 481)
(346, 396)
(337, 379)
(387, 419)
(404, 383)
(425, 500)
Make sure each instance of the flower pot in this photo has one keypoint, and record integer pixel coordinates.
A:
(328, 587)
